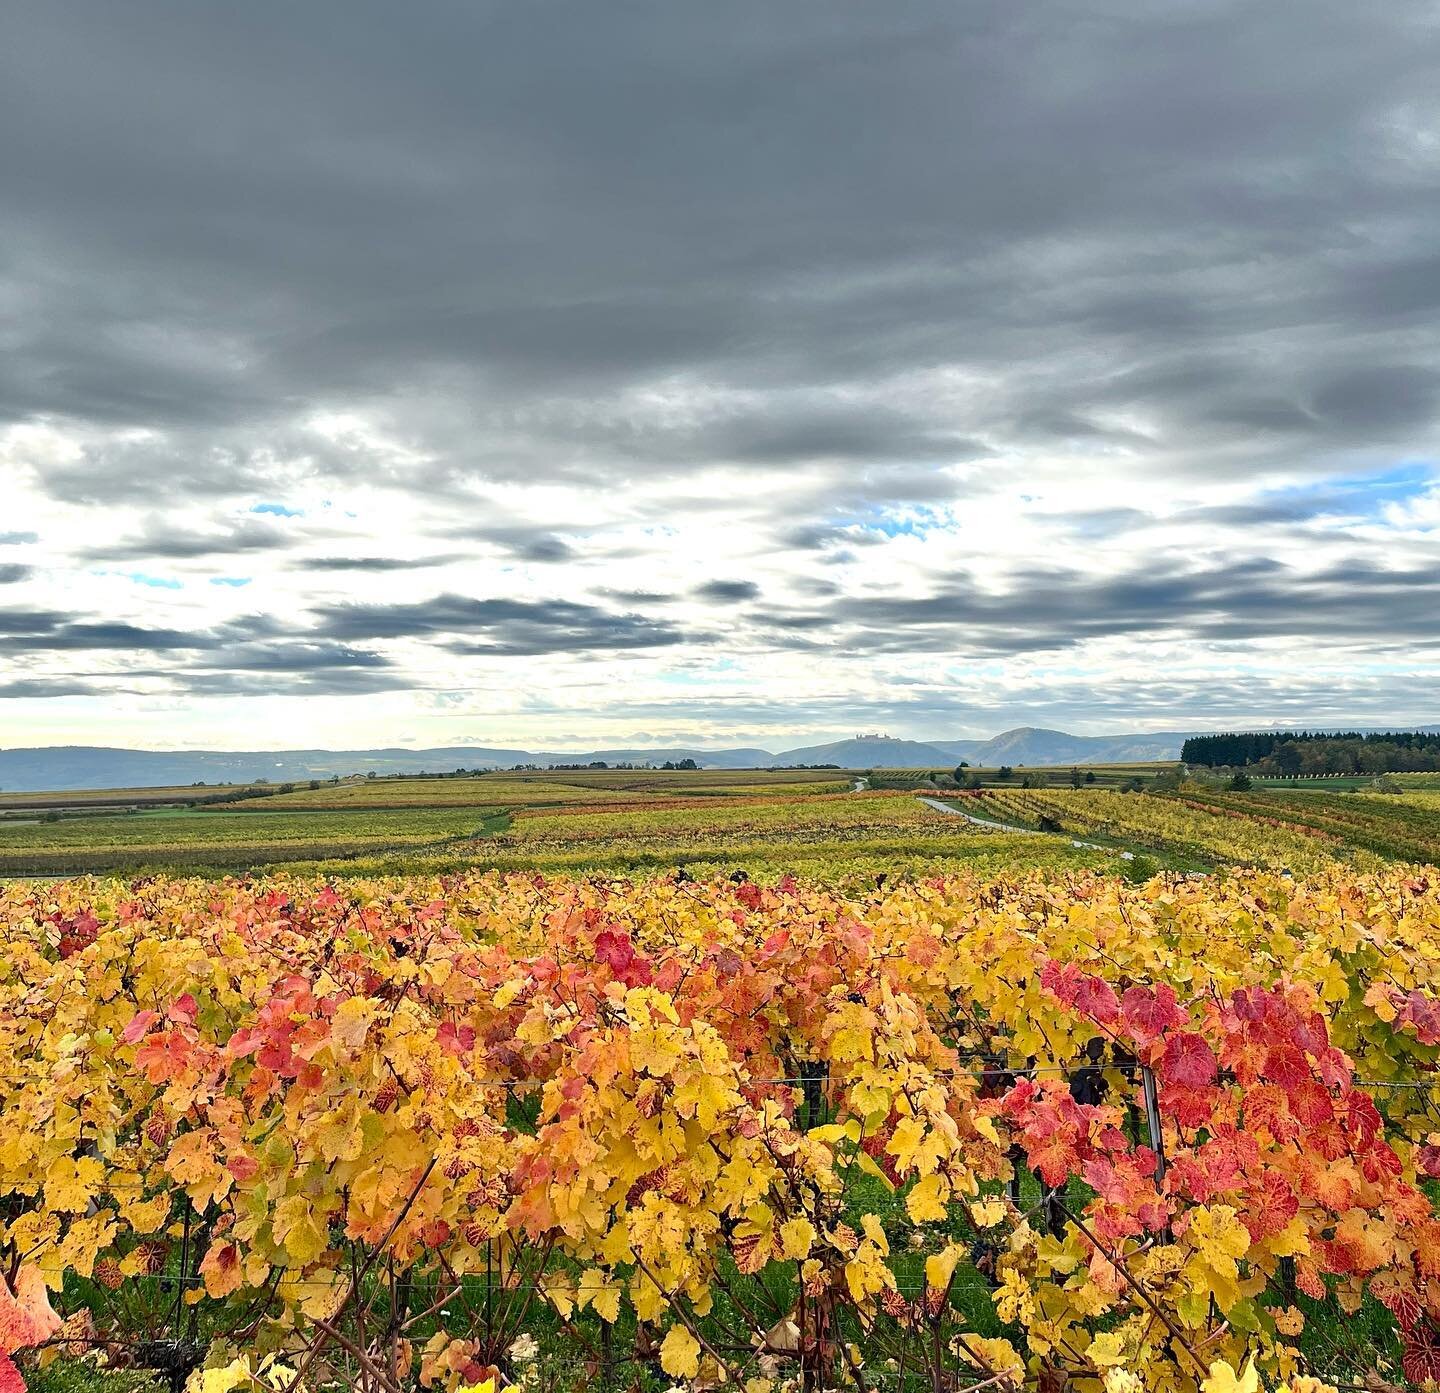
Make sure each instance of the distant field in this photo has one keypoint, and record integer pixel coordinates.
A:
(1055, 776)
(118, 797)
(782, 816)
(853, 858)
(1345, 781)
(1147, 770)
(837, 838)
(673, 780)
(1145, 822)
(524, 787)
(1422, 797)
(1279, 829)
(560, 787)
(789, 787)
(152, 840)
(617, 821)
(565, 816)
(680, 817)
(471, 791)
(1399, 826)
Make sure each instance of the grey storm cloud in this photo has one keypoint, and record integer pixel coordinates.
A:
(634, 597)
(502, 627)
(13, 539)
(255, 644)
(24, 631)
(1040, 609)
(521, 542)
(722, 592)
(161, 541)
(816, 536)
(372, 563)
(1047, 609)
(837, 195)
(863, 256)
(1285, 512)
(298, 666)
(1374, 400)
(10, 572)
(31, 688)
(795, 429)
(293, 657)
(343, 681)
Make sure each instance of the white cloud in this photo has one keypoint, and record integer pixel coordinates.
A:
(1031, 371)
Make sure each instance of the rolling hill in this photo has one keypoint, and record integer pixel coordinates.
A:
(1030, 746)
(869, 752)
(56, 768)
(61, 767)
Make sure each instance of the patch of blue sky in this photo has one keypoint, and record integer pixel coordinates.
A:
(141, 578)
(235, 581)
(278, 510)
(897, 522)
(1357, 495)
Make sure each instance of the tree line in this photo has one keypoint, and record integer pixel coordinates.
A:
(1286, 752)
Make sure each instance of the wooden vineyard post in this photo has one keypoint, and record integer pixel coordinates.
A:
(814, 1075)
(1152, 1121)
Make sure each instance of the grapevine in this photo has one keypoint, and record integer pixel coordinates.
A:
(770, 1132)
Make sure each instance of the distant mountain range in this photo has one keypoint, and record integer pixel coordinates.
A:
(1024, 745)
(59, 767)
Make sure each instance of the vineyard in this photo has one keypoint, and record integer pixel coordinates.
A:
(649, 821)
(390, 794)
(784, 815)
(960, 1134)
(1268, 829)
(210, 838)
(397, 826)
(1406, 828)
(847, 837)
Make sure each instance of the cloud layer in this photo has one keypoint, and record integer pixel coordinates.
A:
(715, 372)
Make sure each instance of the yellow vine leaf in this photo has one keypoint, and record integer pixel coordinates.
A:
(70, 1184)
(940, 1267)
(680, 1353)
(925, 1204)
(1107, 1350)
(796, 1236)
(1222, 1378)
(606, 1302)
(221, 1380)
(993, 1354)
(297, 1229)
(867, 1163)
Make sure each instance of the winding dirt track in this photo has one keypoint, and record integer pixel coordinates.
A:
(978, 821)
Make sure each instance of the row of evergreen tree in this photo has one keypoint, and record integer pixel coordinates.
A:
(1318, 752)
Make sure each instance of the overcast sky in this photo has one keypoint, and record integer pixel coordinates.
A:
(576, 373)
